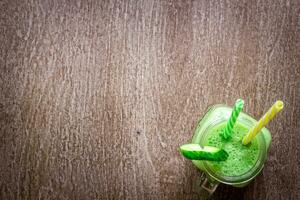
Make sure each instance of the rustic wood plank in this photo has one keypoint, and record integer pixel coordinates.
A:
(96, 96)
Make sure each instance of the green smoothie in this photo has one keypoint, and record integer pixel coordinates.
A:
(243, 163)
(241, 158)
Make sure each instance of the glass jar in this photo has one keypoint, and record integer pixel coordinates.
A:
(216, 115)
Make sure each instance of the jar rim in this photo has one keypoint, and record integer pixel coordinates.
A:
(257, 167)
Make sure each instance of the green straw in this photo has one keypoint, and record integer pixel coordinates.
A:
(238, 106)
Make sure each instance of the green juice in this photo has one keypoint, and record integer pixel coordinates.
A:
(243, 163)
(241, 158)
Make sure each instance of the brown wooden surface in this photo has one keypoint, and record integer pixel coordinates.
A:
(96, 96)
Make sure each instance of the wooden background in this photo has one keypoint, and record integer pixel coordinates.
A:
(96, 96)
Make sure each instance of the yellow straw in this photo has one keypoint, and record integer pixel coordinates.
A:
(277, 107)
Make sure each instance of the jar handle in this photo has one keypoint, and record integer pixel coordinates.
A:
(207, 184)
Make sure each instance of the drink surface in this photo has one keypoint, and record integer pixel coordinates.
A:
(241, 158)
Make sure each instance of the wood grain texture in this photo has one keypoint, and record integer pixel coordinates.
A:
(96, 96)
